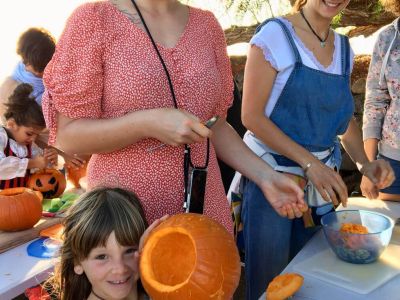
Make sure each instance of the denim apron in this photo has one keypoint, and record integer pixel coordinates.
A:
(313, 109)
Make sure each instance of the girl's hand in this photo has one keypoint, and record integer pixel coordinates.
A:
(51, 155)
(368, 188)
(177, 127)
(38, 162)
(328, 183)
(146, 233)
(284, 195)
(379, 172)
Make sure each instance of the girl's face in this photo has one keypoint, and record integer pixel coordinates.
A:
(21, 134)
(328, 8)
(112, 270)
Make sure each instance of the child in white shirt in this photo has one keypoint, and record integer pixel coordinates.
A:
(18, 152)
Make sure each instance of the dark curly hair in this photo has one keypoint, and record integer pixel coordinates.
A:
(392, 6)
(36, 47)
(23, 108)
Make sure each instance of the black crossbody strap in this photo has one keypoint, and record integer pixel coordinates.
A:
(187, 160)
(171, 87)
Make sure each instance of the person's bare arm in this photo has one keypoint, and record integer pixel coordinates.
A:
(283, 194)
(371, 148)
(258, 82)
(168, 125)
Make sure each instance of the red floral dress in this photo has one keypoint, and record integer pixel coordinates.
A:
(105, 67)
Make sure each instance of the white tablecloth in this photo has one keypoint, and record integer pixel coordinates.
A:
(315, 289)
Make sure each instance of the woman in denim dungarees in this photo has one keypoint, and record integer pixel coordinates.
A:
(298, 135)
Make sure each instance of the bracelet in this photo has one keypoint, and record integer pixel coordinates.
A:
(307, 167)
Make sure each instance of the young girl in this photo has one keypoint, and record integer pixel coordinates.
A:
(99, 256)
(18, 153)
(382, 106)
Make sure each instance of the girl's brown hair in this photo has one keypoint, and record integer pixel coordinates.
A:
(88, 224)
(299, 5)
(392, 6)
(23, 108)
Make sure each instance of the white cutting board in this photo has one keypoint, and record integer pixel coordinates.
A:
(361, 279)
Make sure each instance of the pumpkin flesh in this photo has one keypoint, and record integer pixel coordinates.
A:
(175, 272)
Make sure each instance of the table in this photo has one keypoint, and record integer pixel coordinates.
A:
(18, 271)
(315, 289)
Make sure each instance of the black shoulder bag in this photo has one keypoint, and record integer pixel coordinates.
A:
(194, 177)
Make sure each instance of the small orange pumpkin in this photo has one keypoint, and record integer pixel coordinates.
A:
(190, 256)
(20, 208)
(74, 175)
(50, 182)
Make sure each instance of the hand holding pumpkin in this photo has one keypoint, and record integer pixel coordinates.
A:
(149, 229)
(143, 239)
(38, 162)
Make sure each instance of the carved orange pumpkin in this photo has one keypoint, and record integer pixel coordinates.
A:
(190, 256)
(73, 174)
(20, 208)
(50, 182)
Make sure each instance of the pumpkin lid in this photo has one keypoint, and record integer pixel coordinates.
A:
(53, 232)
(284, 286)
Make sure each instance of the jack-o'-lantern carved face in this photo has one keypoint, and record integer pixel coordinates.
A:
(50, 182)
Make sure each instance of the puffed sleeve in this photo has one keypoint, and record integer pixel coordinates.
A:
(10, 166)
(74, 77)
(223, 64)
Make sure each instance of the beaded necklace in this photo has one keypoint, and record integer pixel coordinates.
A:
(321, 41)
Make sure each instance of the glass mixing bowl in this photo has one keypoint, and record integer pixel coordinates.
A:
(358, 248)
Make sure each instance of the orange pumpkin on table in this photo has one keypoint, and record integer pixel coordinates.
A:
(190, 256)
(50, 182)
(75, 174)
(283, 286)
(20, 208)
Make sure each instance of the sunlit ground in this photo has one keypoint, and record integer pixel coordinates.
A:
(18, 15)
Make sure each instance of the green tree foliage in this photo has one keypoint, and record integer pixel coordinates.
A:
(243, 7)
(244, 12)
